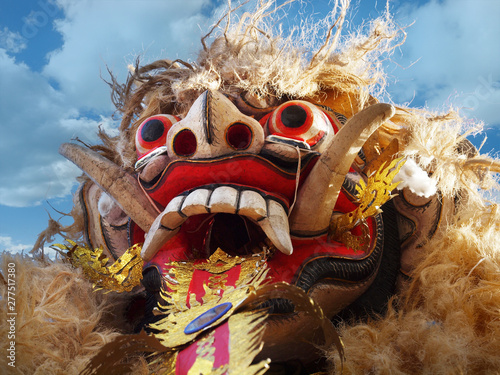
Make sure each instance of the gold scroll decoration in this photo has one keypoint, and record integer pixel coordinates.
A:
(121, 276)
(370, 197)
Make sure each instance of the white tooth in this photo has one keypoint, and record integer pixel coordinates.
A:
(165, 226)
(223, 199)
(275, 226)
(270, 215)
(252, 205)
(195, 203)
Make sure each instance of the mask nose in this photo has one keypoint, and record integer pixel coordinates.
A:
(214, 127)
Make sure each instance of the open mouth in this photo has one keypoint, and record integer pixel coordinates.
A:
(237, 234)
(236, 218)
(207, 204)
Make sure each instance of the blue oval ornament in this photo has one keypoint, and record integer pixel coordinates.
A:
(207, 318)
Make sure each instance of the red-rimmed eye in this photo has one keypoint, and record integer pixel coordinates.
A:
(152, 133)
(299, 120)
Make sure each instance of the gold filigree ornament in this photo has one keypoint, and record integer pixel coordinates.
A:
(370, 197)
(121, 276)
(171, 349)
(216, 266)
(245, 342)
(182, 305)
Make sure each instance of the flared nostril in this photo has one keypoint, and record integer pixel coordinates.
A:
(214, 127)
(184, 143)
(239, 136)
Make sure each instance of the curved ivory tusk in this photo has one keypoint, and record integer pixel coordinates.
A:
(317, 197)
(115, 181)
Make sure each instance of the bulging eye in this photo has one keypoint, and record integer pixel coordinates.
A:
(152, 133)
(301, 121)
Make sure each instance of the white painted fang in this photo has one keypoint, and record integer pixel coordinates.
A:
(275, 226)
(172, 217)
(165, 226)
(157, 236)
(318, 195)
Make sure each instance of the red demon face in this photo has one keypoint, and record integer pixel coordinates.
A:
(275, 180)
(222, 179)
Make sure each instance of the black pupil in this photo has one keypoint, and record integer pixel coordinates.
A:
(152, 130)
(293, 116)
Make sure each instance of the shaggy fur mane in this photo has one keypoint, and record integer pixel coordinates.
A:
(251, 54)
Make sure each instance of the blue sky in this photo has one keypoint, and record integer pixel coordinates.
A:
(52, 53)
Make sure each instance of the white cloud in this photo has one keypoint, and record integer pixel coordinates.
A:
(11, 41)
(9, 245)
(97, 34)
(37, 182)
(36, 117)
(86, 129)
(454, 48)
